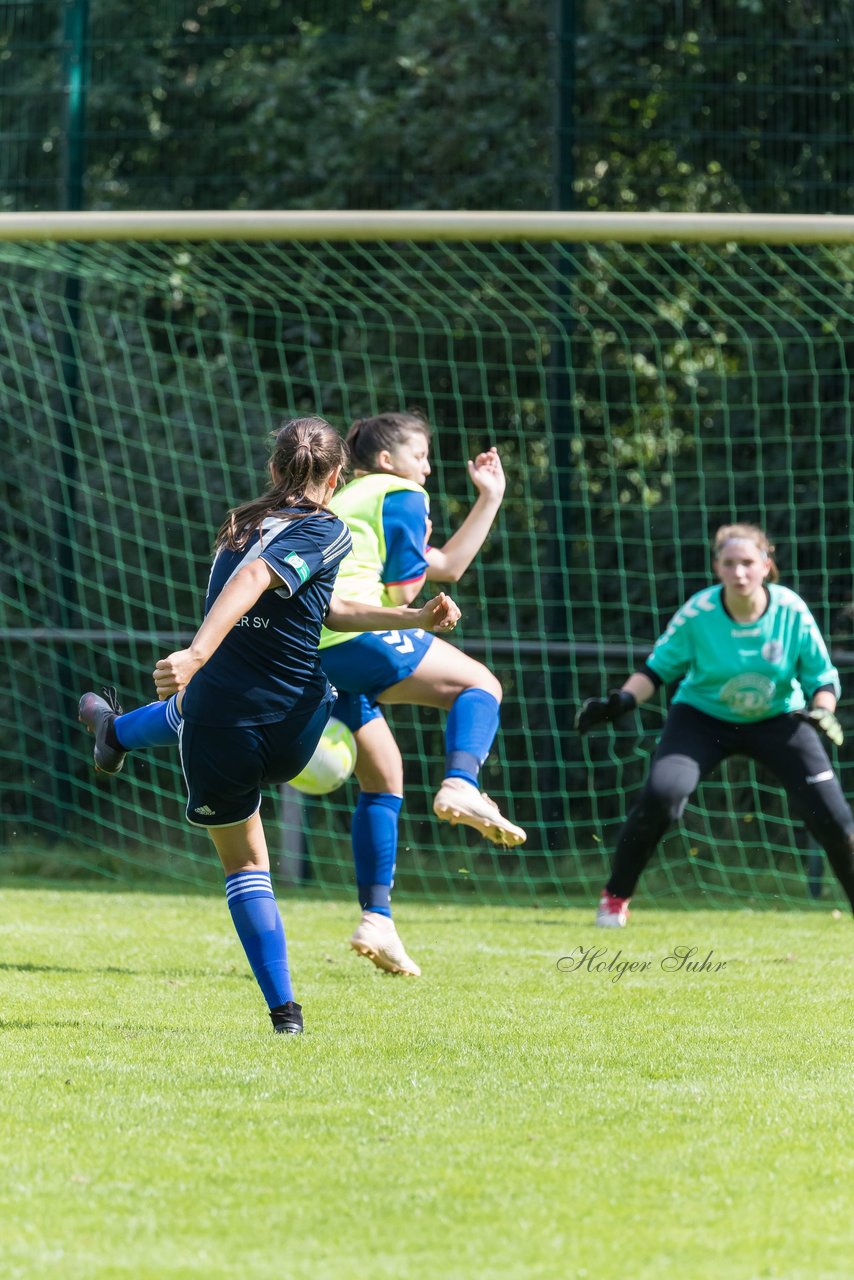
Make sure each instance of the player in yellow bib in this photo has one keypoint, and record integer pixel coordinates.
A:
(387, 510)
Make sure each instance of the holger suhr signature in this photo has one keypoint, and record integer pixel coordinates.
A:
(678, 960)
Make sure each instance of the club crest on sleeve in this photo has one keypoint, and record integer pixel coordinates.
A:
(298, 565)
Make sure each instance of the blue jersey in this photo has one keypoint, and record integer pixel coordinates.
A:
(268, 664)
(404, 515)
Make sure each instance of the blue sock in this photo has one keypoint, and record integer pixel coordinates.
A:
(375, 848)
(259, 927)
(470, 731)
(153, 726)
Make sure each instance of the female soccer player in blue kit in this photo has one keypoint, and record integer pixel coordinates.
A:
(387, 510)
(755, 680)
(250, 696)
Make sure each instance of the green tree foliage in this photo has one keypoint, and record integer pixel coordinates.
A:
(31, 104)
(358, 103)
(742, 104)
(737, 105)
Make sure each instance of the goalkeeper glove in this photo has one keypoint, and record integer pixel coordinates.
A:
(599, 710)
(823, 721)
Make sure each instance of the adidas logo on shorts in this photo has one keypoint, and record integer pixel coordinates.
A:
(203, 808)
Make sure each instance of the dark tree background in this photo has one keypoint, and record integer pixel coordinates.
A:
(668, 104)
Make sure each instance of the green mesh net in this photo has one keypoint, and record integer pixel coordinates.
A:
(639, 397)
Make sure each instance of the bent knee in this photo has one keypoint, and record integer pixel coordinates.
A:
(488, 682)
(380, 779)
(463, 678)
(671, 783)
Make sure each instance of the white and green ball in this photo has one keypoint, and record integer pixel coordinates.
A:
(331, 765)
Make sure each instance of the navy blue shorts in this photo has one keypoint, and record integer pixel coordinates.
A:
(225, 768)
(364, 667)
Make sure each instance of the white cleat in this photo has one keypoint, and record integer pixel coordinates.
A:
(457, 801)
(377, 938)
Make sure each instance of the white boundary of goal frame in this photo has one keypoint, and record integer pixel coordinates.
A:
(376, 225)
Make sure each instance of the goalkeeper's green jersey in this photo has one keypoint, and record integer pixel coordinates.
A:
(744, 671)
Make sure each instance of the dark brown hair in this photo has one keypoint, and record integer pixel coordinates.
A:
(304, 451)
(747, 533)
(369, 436)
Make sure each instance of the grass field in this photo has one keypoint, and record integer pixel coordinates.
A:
(501, 1117)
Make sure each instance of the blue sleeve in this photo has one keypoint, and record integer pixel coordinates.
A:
(405, 533)
(305, 547)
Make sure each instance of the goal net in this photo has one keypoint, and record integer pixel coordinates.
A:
(644, 382)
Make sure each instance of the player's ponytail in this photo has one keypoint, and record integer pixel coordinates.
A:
(747, 533)
(304, 452)
(368, 437)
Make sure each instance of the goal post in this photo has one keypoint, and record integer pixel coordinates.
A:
(378, 226)
(646, 377)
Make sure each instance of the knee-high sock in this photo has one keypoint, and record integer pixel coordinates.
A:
(375, 848)
(259, 927)
(472, 725)
(153, 726)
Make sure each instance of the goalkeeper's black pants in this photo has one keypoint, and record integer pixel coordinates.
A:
(693, 744)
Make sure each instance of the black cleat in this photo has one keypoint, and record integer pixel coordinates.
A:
(287, 1019)
(98, 715)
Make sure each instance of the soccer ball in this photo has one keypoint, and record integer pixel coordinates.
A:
(331, 765)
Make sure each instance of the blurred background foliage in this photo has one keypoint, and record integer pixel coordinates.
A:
(465, 104)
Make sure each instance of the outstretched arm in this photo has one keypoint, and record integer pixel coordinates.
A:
(449, 563)
(439, 614)
(236, 599)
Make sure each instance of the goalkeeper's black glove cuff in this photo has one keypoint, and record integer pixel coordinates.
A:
(599, 710)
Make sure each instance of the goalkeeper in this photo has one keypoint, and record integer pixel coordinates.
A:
(756, 680)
